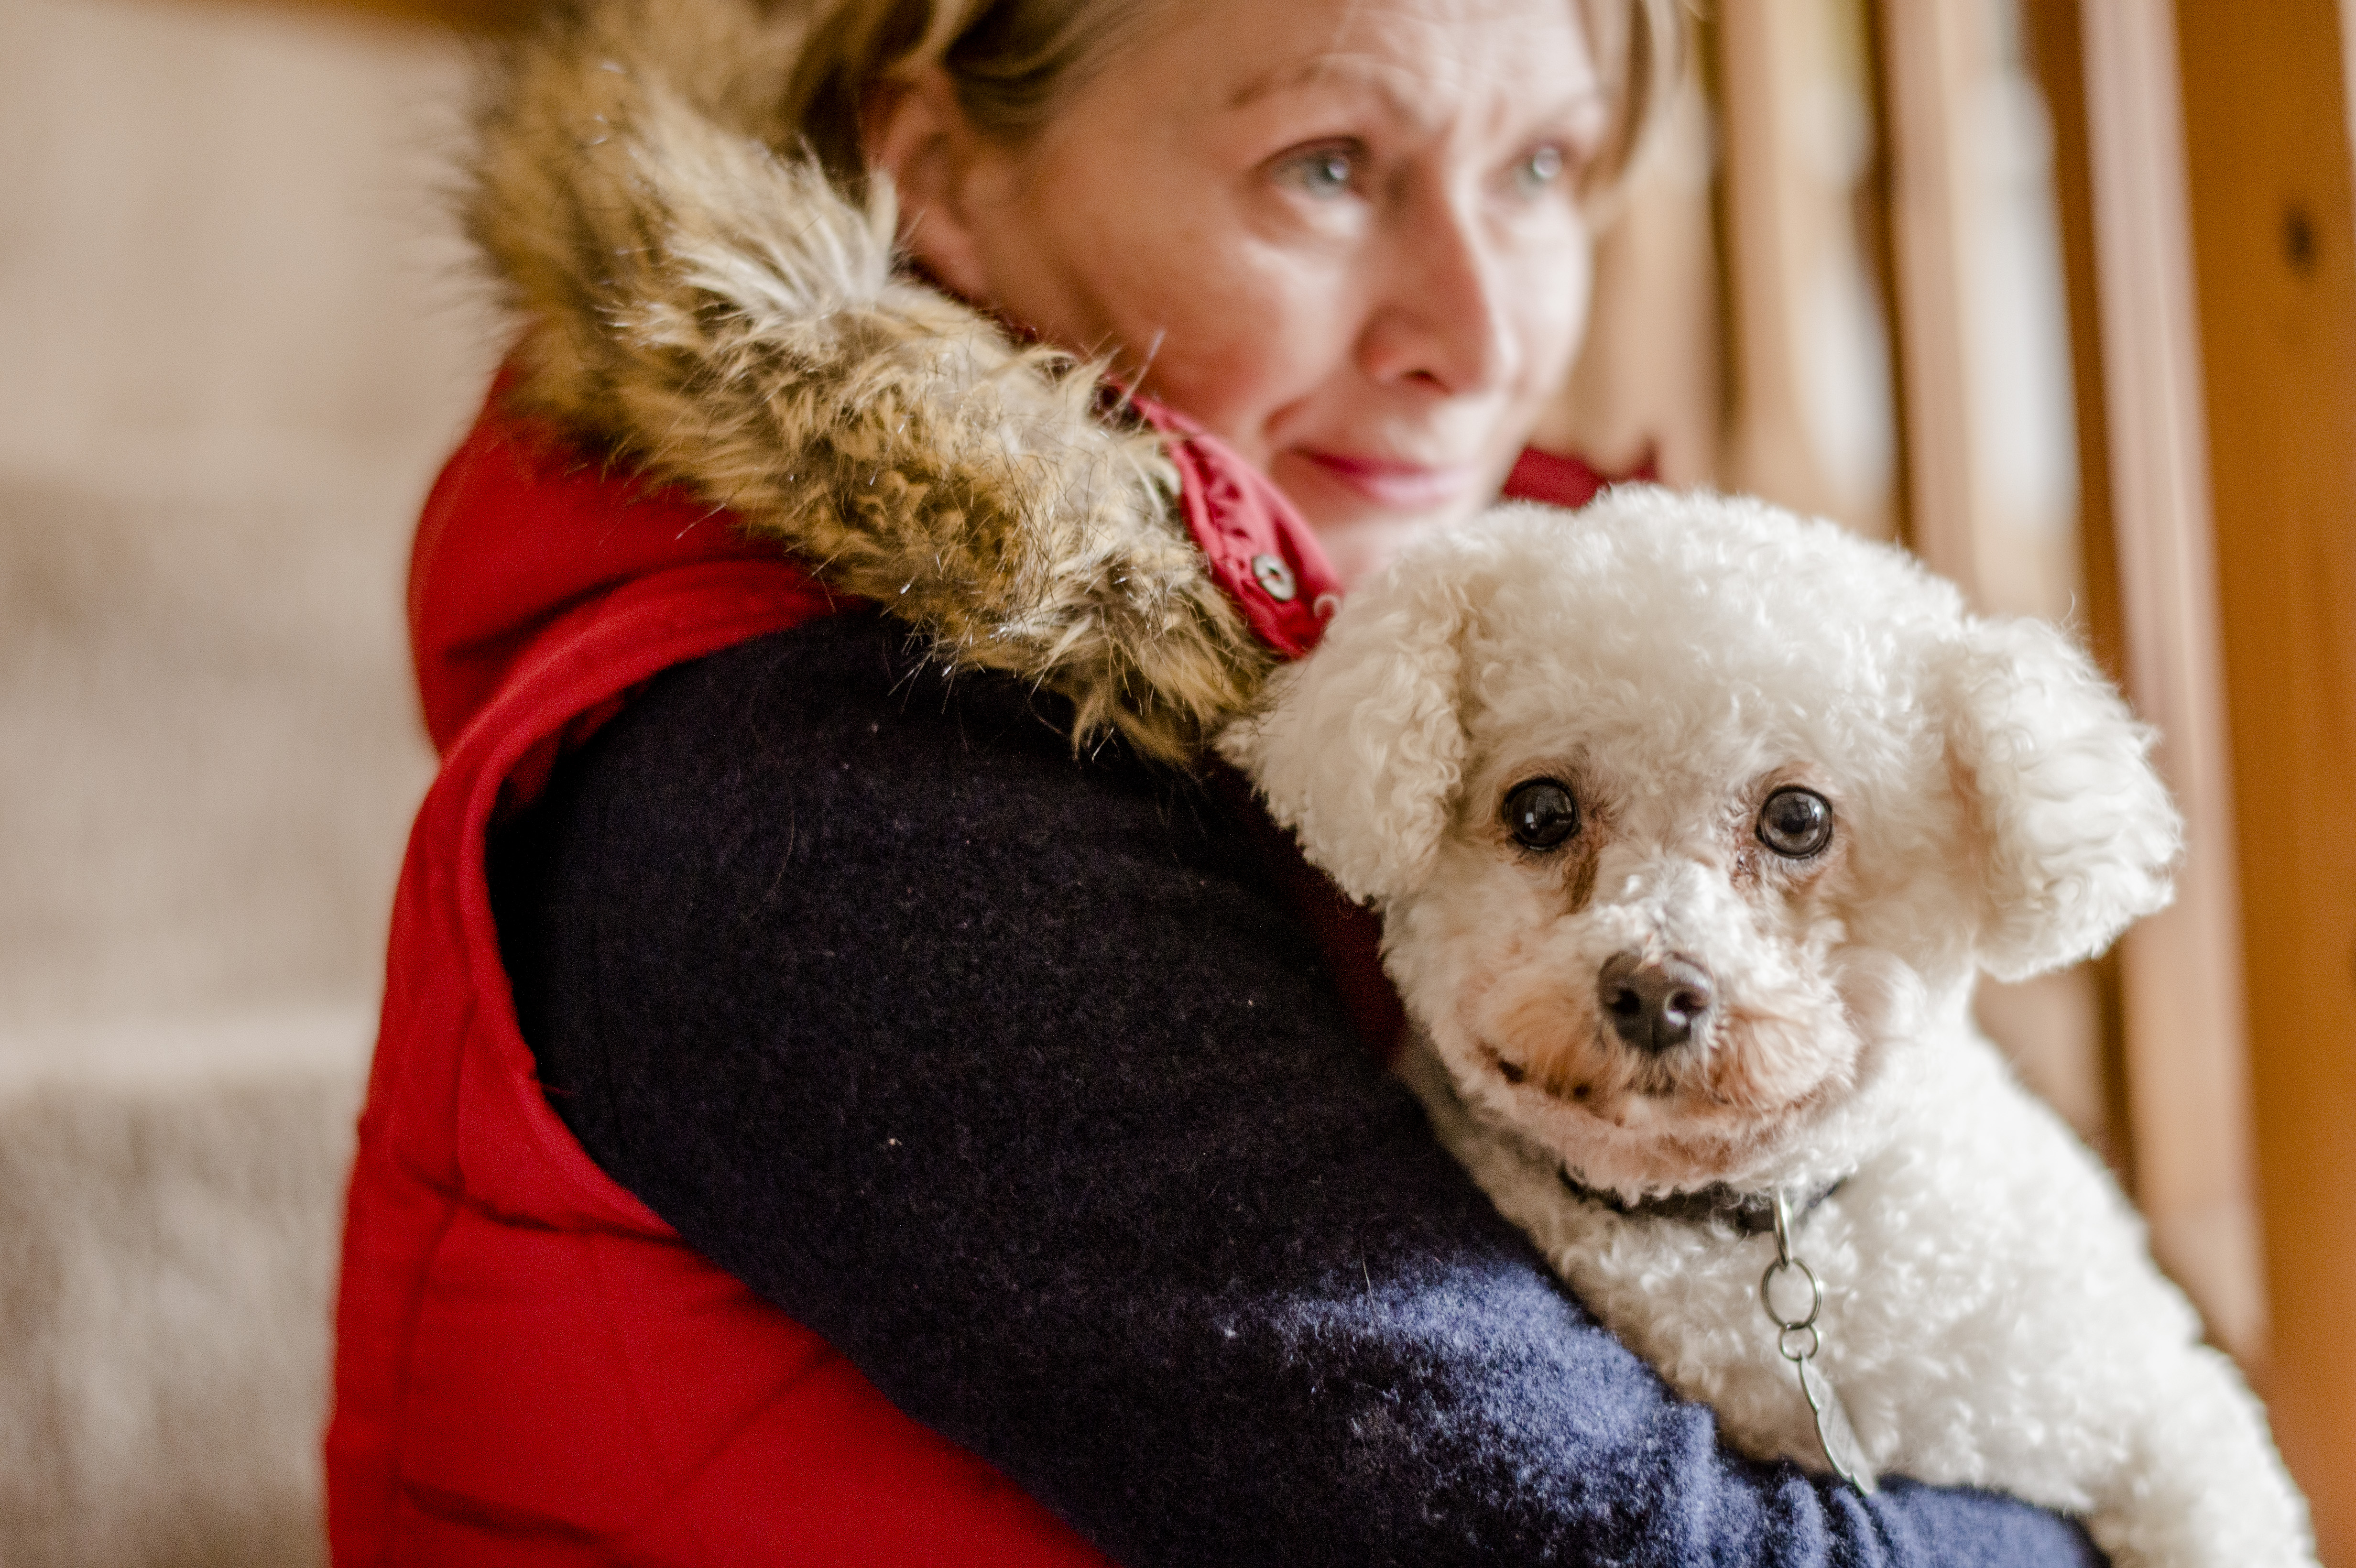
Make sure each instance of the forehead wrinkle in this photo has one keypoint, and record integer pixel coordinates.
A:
(1318, 69)
(1403, 89)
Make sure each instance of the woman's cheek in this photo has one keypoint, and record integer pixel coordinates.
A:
(1247, 332)
(1548, 297)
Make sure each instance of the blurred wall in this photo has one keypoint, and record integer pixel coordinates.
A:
(235, 341)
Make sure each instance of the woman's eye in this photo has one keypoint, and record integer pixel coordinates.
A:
(1796, 823)
(1541, 814)
(1327, 172)
(1539, 172)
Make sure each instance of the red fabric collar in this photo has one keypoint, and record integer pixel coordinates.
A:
(1260, 550)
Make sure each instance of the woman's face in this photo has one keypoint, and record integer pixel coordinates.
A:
(1344, 235)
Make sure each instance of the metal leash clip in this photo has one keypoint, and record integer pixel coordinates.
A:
(1797, 1340)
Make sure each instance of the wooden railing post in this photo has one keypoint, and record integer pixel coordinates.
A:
(2273, 248)
(2154, 607)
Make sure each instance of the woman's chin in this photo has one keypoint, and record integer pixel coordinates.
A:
(1361, 519)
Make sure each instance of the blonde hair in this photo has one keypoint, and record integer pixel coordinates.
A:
(1014, 62)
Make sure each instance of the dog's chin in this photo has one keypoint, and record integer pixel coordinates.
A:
(1752, 1080)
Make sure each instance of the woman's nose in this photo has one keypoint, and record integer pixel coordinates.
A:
(1445, 319)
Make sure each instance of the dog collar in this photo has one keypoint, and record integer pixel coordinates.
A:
(1798, 1336)
(1750, 1214)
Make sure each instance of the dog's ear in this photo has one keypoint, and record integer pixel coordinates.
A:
(1357, 749)
(2078, 837)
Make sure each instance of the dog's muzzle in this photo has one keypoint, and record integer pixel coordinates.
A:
(1656, 1005)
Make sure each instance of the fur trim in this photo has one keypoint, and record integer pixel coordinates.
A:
(716, 312)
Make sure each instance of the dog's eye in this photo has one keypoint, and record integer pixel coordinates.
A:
(1796, 823)
(1541, 814)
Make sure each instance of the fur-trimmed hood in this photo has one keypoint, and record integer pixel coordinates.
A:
(703, 305)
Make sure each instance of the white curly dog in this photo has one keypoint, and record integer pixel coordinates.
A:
(1692, 824)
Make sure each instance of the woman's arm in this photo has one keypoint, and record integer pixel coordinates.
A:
(1010, 1076)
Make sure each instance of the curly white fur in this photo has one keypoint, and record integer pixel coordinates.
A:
(1993, 1317)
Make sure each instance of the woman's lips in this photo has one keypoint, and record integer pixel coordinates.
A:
(1403, 485)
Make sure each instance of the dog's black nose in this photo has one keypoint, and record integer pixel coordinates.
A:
(1653, 1006)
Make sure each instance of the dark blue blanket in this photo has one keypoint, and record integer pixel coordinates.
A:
(1010, 1076)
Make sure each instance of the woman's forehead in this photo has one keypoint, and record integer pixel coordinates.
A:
(1415, 60)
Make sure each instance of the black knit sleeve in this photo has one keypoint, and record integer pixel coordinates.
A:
(1008, 1074)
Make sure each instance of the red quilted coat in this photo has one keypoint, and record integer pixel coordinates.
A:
(530, 1367)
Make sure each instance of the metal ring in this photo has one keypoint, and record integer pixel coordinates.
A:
(1767, 1298)
(1784, 1348)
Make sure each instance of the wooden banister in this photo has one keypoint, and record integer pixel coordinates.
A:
(2274, 256)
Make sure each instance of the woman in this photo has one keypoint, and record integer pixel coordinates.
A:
(922, 1075)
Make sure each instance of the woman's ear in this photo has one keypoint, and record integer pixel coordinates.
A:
(2077, 836)
(1359, 747)
(915, 131)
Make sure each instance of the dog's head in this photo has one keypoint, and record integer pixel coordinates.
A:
(1681, 810)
